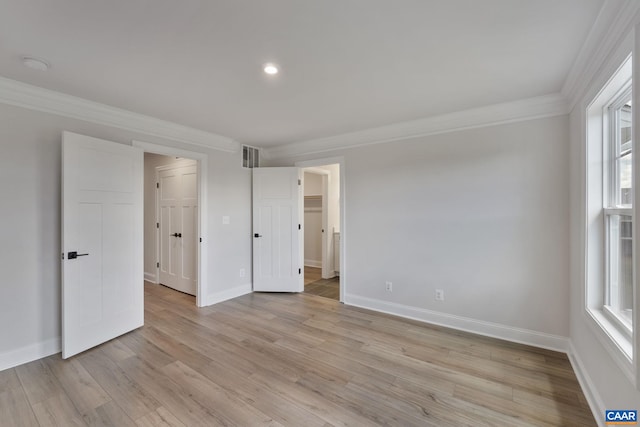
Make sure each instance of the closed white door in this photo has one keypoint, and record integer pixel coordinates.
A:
(178, 219)
(277, 230)
(102, 241)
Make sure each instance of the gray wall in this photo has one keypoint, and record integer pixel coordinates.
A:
(30, 146)
(482, 214)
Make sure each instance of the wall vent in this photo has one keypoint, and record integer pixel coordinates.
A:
(250, 157)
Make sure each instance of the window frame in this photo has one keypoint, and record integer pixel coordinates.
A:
(597, 155)
(612, 205)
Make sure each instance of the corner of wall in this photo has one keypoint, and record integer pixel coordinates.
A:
(150, 277)
(494, 330)
(30, 353)
(227, 294)
(590, 391)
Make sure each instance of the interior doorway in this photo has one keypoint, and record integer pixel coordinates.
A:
(171, 192)
(170, 157)
(321, 190)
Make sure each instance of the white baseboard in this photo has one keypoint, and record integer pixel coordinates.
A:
(312, 263)
(590, 391)
(30, 353)
(150, 277)
(332, 274)
(480, 327)
(227, 294)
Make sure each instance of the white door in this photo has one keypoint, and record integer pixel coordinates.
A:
(178, 219)
(102, 241)
(277, 230)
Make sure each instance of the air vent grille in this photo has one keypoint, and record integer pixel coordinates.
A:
(250, 157)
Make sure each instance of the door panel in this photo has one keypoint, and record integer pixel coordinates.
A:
(277, 207)
(178, 213)
(102, 291)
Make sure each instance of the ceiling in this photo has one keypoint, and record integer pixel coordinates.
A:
(346, 65)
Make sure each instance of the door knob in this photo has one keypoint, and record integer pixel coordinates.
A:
(257, 235)
(176, 234)
(74, 255)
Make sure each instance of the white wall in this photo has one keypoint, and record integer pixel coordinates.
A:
(481, 214)
(151, 161)
(30, 145)
(312, 184)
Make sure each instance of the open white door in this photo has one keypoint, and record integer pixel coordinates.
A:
(277, 207)
(102, 241)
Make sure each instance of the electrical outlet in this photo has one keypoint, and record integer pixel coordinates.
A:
(388, 286)
(242, 272)
(439, 295)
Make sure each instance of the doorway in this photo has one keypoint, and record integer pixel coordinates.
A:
(169, 156)
(171, 217)
(321, 191)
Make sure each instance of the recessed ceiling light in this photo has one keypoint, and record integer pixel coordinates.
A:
(270, 69)
(35, 63)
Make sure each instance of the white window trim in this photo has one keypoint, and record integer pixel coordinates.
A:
(618, 344)
(611, 206)
(618, 211)
(616, 102)
(614, 320)
(622, 327)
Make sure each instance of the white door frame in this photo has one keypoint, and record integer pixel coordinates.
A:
(202, 159)
(343, 224)
(325, 216)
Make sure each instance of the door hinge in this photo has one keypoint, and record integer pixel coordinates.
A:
(299, 271)
(157, 225)
(201, 240)
(299, 227)
(157, 185)
(158, 264)
(62, 255)
(299, 182)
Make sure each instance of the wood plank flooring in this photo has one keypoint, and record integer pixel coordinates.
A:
(314, 284)
(311, 274)
(292, 360)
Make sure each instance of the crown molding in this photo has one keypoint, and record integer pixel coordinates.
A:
(509, 112)
(613, 23)
(13, 92)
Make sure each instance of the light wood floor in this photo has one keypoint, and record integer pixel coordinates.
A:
(294, 360)
(314, 284)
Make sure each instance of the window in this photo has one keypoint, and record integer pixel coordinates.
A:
(618, 209)
(609, 237)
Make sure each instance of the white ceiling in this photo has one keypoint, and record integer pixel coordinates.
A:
(347, 65)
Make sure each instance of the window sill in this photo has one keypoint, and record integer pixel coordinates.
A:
(617, 344)
(617, 323)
